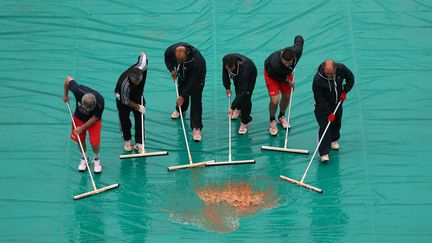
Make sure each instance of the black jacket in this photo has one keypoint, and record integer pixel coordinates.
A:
(274, 66)
(244, 78)
(191, 74)
(170, 60)
(327, 90)
(125, 91)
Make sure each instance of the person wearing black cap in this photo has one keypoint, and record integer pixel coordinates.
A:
(278, 74)
(188, 66)
(128, 92)
(243, 72)
(328, 89)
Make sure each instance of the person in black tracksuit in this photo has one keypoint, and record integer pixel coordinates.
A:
(188, 66)
(328, 89)
(128, 92)
(278, 74)
(243, 72)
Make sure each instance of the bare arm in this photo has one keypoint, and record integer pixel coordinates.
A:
(86, 125)
(90, 122)
(66, 88)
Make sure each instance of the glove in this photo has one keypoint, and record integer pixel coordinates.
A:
(343, 96)
(331, 117)
(141, 109)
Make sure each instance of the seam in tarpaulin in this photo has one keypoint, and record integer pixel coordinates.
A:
(215, 81)
(361, 116)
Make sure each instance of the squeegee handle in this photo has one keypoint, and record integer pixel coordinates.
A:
(142, 125)
(81, 147)
(289, 113)
(319, 143)
(229, 131)
(182, 121)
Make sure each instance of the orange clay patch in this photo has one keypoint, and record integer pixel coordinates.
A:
(225, 204)
(241, 196)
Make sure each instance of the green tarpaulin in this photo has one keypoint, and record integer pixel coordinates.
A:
(377, 188)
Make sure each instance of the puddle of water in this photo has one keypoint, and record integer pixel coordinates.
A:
(224, 204)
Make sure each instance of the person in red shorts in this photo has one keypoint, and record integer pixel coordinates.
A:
(88, 118)
(278, 74)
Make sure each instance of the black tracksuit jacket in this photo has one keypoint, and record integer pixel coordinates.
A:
(126, 91)
(328, 90)
(191, 73)
(274, 66)
(244, 78)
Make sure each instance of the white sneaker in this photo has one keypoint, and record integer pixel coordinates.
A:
(273, 128)
(82, 166)
(97, 166)
(282, 121)
(197, 135)
(138, 147)
(236, 114)
(243, 129)
(128, 146)
(335, 145)
(325, 158)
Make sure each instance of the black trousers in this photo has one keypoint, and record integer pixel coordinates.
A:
(196, 106)
(245, 106)
(125, 122)
(333, 133)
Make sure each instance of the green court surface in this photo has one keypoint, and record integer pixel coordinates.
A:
(377, 188)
